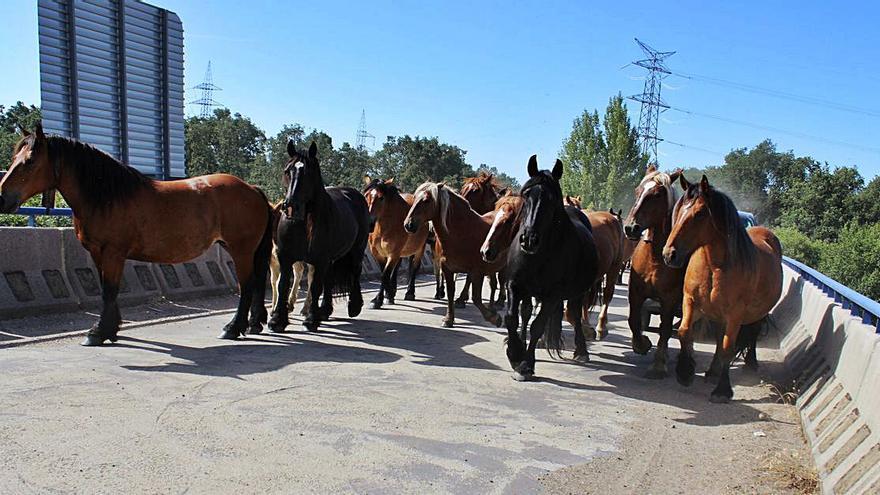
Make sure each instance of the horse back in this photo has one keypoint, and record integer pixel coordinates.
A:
(608, 237)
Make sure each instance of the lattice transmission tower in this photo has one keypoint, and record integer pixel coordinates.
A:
(652, 104)
(362, 135)
(207, 103)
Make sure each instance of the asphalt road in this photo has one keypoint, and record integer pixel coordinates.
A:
(389, 402)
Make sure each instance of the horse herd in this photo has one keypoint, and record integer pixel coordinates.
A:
(537, 247)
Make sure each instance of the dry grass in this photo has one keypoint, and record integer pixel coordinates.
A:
(792, 472)
(783, 393)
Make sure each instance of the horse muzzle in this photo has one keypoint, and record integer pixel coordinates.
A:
(672, 257)
(528, 242)
(489, 254)
(8, 204)
(633, 231)
(411, 226)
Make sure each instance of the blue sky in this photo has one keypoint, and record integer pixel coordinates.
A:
(505, 79)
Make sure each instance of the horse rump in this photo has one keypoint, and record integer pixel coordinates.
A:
(343, 272)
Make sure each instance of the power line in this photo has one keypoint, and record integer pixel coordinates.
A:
(697, 148)
(776, 129)
(652, 104)
(778, 94)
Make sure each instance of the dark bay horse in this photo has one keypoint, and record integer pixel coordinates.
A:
(608, 237)
(389, 241)
(733, 276)
(120, 214)
(553, 259)
(649, 223)
(300, 268)
(460, 232)
(481, 192)
(327, 228)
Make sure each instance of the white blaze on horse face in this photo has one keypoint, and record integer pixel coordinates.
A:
(499, 217)
(299, 165)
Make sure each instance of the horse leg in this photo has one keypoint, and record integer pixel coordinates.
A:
(439, 288)
(316, 287)
(449, 319)
(262, 260)
(641, 344)
(275, 273)
(355, 298)
(502, 289)
(391, 288)
(724, 391)
(110, 267)
(463, 297)
(387, 273)
(684, 369)
(526, 369)
(516, 346)
(326, 309)
(310, 276)
(657, 370)
(298, 268)
(714, 371)
(279, 320)
(580, 342)
(477, 296)
(415, 263)
(493, 288)
(607, 296)
(526, 315)
(750, 334)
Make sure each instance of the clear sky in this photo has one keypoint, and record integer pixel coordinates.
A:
(505, 79)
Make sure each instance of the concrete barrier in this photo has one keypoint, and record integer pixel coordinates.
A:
(34, 280)
(212, 273)
(835, 360)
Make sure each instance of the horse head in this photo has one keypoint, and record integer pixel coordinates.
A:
(378, 193)
(30, 173)
(427, 206)
(302, 176)
(504, 224)
(655, 198)
(481, 192)
(542, 206)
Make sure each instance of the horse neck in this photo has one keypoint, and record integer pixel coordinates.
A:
(394, 213)
(68, 185)
(323, 206)
(458, 212)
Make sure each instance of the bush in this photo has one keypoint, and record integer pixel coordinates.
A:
(796, 244)
(854, 260)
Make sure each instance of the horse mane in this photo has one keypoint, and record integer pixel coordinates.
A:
(665, 180)
(103, 180)
(382, 187)
(484, 178)
(443, 195)
(740, 248)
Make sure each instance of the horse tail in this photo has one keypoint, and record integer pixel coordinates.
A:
(263, 255)
(747, 340)
(553, 334)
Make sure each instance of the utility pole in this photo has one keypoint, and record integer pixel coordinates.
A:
(652, 104)
(362, 135)
(206, 102)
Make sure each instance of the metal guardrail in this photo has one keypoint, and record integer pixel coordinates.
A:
(858, 304)
(33, 211)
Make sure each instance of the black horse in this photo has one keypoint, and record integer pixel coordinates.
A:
(325, 227)
(553, 259)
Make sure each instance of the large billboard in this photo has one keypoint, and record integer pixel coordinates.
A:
(111, 74)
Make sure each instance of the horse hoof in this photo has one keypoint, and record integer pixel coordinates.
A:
(255, 329)
(409, 297)
(460, 304)
(582, 357)
(311, 326)
(447, 323)
(642, 345)
(517, 376)
(590, 334)
(229, 335)
(656, 374)
(93, 341)
(719, 398)
(684, 371)
(277, 326)
(354, 308)
(751, 365)
(375, 304)
(602, 334)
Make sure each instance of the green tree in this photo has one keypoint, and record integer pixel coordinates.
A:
(223, 143)
(867, 203)
(854, 260)
(795, 244)
(503, 179)
(412, 161)
(601, 158)
(11, 119)
(823, 203)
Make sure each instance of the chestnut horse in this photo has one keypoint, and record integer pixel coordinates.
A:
(649, 223)
(609, 240)
(119, 214)
(733, 276)
(481, 192)
(460, 232)
(389, 241)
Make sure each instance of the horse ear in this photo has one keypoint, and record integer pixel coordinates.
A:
(291, 148)
(557, 169)
(533, 166)
(675, 174)
(651, 169)
(38, 130)
(704, 184)
(24, 132)
(313, 151)
(390, 181)
(685, 185)
(504, 191)
(367, 180)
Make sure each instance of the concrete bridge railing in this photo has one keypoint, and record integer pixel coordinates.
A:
(832, 348)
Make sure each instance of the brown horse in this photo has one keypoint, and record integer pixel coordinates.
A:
(609, 240)
(389, 241)
(482, 192)
(460, 231)
(733, 276)
(649, 222)
(120, 214)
